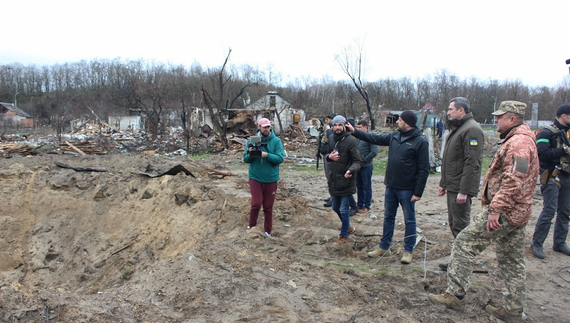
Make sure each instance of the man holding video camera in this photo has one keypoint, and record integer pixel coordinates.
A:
(264, 153)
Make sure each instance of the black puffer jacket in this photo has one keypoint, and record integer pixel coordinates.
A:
(408, 158)
(347, 147)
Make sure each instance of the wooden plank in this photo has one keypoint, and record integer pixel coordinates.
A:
(75, 148)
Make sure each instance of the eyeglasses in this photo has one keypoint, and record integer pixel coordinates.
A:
(266, 127)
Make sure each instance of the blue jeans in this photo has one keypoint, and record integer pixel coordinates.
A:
(364, 187)
(352, 202)
(393, 198)
(341, 205)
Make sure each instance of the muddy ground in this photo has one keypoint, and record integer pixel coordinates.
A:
(105, 243)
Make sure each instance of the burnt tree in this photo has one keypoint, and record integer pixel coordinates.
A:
(221, 97)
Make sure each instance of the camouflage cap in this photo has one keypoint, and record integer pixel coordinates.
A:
(510, 106)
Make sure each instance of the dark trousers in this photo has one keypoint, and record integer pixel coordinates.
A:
(554, 201)
(364, 186)
(262, 194)
(458, 215)
(327, 170)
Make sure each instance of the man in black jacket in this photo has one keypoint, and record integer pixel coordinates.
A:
(406, 176)
(554, 156)
(344, 162)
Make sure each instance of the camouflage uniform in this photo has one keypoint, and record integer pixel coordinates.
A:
(508, 189)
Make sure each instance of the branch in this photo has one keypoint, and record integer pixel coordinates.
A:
(227, 58)
(237, 96)
(221, 76)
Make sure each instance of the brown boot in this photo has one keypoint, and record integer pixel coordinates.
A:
(340, 241)
(351, 230)
(378, 252)
(450, 301)
(406, 258)
(501, 313)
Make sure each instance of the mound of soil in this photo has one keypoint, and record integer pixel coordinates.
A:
(118, 238)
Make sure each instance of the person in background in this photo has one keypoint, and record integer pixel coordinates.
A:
(324, 149)
(406, 177)
(344, 164)
(507, 197)
(554, 154)
(264, 160)
(439, 128)
(353, 205)
(461, 165)
(364, 177)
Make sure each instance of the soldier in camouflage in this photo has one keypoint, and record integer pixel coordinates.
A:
(507, 196)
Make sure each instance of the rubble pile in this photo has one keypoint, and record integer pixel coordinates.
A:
(7, 150)
(83, 146)
(97, 138)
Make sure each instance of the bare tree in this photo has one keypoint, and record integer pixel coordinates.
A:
(351, 64)
(144, 88)
(221, 97)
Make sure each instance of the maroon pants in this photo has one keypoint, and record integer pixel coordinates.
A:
(262, 195)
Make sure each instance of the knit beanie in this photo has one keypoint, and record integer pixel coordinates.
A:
(409, 117)
(338, 119)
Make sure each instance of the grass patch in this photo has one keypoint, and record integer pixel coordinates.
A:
(380, 162)
(416, 270)
(480, 284)
(343, 267)
(127, 272)
(485, 165)
(304, 168)
(362, 267)
(383, 271)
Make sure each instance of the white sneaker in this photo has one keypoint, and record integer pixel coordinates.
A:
(267, 235)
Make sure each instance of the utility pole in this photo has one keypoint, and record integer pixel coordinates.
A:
(494, 108)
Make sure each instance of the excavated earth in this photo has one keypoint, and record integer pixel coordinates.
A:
(134, 238)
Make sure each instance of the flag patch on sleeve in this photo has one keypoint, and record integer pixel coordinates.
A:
(473, 142)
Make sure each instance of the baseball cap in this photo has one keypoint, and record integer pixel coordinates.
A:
(264, 122)
(510, 106)
(563, 109)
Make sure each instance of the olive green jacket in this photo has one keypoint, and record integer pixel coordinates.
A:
(462, 157)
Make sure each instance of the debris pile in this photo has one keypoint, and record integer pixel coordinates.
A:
(97, 138)
(83, 148)
(7, 150)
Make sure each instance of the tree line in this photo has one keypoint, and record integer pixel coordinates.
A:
(168, 93)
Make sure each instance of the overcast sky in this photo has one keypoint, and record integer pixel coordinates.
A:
(500, 39)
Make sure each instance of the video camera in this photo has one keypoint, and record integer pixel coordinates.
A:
(256, 144)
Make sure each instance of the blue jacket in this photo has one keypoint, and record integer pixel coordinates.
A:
(408, 158)
(265, 170)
